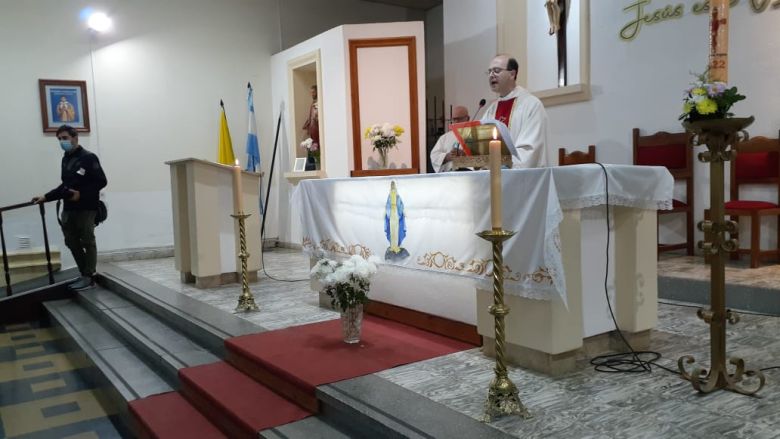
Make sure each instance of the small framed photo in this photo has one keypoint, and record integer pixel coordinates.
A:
(64, 102)
(300, 164)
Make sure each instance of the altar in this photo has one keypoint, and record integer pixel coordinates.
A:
(554, 265)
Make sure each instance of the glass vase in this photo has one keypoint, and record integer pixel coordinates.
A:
(382, 158)
(351, 321)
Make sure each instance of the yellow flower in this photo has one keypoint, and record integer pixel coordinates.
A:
(366, 132)
(687, 107)
(398, 130)
(700, 91)
(706, 106)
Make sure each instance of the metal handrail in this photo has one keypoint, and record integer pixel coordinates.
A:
(7, 269)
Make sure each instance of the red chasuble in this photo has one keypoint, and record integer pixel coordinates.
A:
(504, 110)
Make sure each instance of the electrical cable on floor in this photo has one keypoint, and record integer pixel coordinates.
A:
(262, 261)
(624, 362)
(631, 361)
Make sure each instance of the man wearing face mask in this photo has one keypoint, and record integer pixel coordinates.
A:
(82, 179)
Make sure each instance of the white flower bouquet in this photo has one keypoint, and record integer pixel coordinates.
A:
(346, 282)
(309, 145)
(383, 137)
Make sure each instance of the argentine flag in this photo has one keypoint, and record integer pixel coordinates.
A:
(252, 147)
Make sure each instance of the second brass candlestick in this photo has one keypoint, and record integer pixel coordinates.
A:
(246, 302)
(503, 398)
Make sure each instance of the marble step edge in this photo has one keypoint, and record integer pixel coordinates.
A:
(746, 298)
(149, 344)
(313, 427)
(375, 407)
(202, 323)
(102, 373)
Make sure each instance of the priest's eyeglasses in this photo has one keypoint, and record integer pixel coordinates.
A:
(494, 71)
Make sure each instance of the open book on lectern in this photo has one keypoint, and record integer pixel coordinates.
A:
(475, 136)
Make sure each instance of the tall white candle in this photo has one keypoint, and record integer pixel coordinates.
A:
(495, 181)
(719, 41)
(238, 203)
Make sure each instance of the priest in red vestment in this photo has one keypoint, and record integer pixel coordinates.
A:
(519, 110)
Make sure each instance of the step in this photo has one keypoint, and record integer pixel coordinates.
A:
(164, 348)
(235, 402)
(170, 415)
(204, 324)
(738, 297)
(313, 427)
(115, 366)
(24, 305)
(370, 406)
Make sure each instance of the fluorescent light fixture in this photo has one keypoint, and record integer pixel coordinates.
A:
(99, 22)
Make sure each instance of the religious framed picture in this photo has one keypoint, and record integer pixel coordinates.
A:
(63, 102)
(300, 164)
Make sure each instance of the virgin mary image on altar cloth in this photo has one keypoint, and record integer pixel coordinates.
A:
(395, 225)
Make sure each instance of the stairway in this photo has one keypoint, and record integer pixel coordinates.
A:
(159, 352)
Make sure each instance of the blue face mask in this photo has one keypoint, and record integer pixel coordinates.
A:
(66, 145)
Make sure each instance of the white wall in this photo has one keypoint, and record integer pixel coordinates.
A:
(304, 19)
(634, 84)
(158, 79)
(469, 45)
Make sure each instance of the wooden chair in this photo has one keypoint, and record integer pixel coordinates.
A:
(577, 157)
(757, 162)
(673, 151)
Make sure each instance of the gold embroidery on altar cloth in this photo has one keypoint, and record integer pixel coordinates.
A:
(446, 262)
(329, 245)
(479, 267)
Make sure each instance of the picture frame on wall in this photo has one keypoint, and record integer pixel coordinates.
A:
(64, 102)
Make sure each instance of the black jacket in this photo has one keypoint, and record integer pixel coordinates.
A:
(81, 171)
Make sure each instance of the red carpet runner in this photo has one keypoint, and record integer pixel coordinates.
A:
(294, 361)
(291, 362)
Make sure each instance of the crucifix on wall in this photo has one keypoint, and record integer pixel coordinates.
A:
(556, 13)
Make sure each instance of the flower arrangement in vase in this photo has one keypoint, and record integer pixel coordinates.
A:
(312, 154)
(707, 99)
(382, 138)
(347, 284)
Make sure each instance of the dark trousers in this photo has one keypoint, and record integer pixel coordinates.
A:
(78, 227)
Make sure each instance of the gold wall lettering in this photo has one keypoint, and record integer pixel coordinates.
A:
(631, 30)
(642, 15)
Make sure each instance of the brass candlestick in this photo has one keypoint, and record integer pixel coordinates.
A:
(718, 135)
(246, 302)
(503, 396)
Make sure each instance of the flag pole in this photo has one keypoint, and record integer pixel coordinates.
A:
(271, 174)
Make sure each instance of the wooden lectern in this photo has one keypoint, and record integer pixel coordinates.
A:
(205, 236)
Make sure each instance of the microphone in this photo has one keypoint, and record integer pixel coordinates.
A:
(482, 103)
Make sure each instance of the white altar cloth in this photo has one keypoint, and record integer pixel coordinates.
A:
(442, 213)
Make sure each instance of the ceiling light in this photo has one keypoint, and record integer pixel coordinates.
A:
(99, 22)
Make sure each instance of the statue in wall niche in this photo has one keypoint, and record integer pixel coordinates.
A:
(312, 128)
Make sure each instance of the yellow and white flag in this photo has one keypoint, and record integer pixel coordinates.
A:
(225, 154)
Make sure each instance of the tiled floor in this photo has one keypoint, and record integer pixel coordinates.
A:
(42, 395)
(582, 404)
(737, 272)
